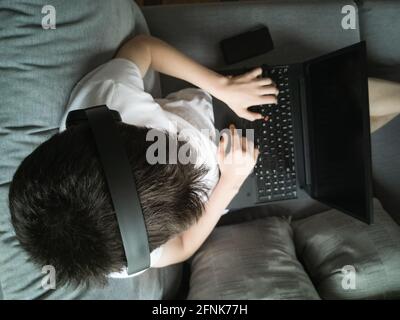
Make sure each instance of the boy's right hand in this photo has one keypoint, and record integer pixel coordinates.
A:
(246, 90)
(236, 163)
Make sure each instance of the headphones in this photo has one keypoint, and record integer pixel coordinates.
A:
(120, 181)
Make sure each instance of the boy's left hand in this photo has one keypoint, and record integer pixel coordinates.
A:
(243, 91)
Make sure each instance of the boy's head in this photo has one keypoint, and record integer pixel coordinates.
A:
(62, 211)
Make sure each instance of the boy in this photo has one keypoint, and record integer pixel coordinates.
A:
(60, 206)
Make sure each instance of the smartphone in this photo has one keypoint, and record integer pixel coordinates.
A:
(246, 45)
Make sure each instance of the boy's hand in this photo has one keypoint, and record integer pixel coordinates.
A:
(236, 163)
(243, 91)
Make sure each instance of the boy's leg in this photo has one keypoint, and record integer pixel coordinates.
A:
(378, 122)
(384, 101)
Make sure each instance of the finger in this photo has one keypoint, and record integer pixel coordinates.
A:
(256, 153)
(221, 148)
(225, 138)
(251, 116)
(253, 73)
(266, 90)
(269, 99)
(251, 149)
(245, 144)
(264, 82)
(235, 138)
(248, 146)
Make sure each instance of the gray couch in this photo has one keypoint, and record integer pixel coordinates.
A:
(296, 251)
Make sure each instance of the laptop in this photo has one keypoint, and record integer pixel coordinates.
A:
(316, 142)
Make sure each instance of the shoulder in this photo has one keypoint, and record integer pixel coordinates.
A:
(115, 71)
(117, 84)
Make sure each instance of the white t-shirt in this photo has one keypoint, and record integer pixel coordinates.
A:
(119, 85)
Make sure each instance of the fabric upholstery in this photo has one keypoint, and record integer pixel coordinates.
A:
(380, 25)
(300, 31)
(270, 259)
(329, 241)
(38, 70)
(252, 260)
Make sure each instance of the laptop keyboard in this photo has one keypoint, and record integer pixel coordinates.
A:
(275, 169)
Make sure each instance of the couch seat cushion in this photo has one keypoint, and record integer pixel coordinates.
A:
(252, 260)
(332, 244)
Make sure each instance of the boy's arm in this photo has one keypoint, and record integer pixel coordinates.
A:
(183, 246)
(149, 52)
(235, 166)
(238, 92)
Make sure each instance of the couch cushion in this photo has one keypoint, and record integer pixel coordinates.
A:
(300, 31)
(38, 70)
(328, 242)
(380, 25)
(252, 260)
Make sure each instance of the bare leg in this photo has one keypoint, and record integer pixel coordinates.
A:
(378, 122)
(384, 101)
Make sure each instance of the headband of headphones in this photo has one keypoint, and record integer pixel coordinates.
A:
(120, 181)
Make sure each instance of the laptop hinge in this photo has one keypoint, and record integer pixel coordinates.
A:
(306, 135)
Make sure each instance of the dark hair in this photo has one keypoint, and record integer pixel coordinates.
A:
(62, 211)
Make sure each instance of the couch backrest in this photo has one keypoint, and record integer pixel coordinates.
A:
(300, 29)
(38, 69)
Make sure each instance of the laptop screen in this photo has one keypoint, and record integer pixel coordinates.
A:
(338, 117)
